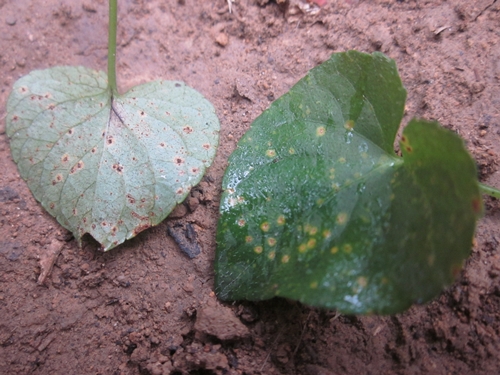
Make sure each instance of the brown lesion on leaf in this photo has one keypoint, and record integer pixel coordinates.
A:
(104, 224)
(118, 167)
(195, 170)
(178, 160)
(142, 218)
(78, 166)
(70, 131)
(57, 179)
(65, 158)
(74, 211)
(15, 118)
(141, 228)
(110, 140)
(187, 129)
(52, 205)
(51, 106)
(162, 144)
(206, 146)
(131, 199)
(94, 150)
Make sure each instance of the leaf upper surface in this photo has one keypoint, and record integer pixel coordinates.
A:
(317, 207)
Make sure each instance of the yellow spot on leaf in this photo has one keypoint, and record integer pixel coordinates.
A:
(285, 258)
(271, 255)
(430, 260)
(280, 220)
(314, 285)
(248, 239)
(271, 153)
(342, 160)
(311, 243)
(342, 218)
(302, 248)
(327, 233)
(362, 281)
(334, 250)
(320, 131)
(258, 249)
(264, 226)
(291, 151)
(310, 229)
(271, 241)
(241, 222)
(347, 248)
(349, 125)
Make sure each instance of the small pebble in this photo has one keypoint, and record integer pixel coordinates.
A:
(11, 21)
(222, 39)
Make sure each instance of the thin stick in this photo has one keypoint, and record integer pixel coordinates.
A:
(270, 349)
(301, 334)
(113, 19)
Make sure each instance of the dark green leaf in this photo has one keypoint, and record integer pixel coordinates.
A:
(318, 208)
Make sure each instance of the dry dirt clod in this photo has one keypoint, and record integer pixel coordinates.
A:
(220, 322)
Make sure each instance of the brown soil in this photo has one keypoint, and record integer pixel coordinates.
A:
(147, 308)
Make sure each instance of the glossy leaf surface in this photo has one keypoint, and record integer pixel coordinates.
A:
(110, 167)
(318, 208)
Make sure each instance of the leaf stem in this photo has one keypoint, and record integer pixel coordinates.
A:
(113, 10)
(491, 191)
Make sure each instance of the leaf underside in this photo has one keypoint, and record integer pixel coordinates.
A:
(318, 208)
(108, 166)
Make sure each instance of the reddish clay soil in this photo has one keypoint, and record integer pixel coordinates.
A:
(145, 307)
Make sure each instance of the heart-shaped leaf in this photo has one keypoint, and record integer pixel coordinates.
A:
(318, 208)
(103, 165)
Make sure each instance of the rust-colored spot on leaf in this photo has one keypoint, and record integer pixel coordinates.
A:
(140, 228)
(137, 216)
(52, 205)
(476, 205)
(118, 167)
